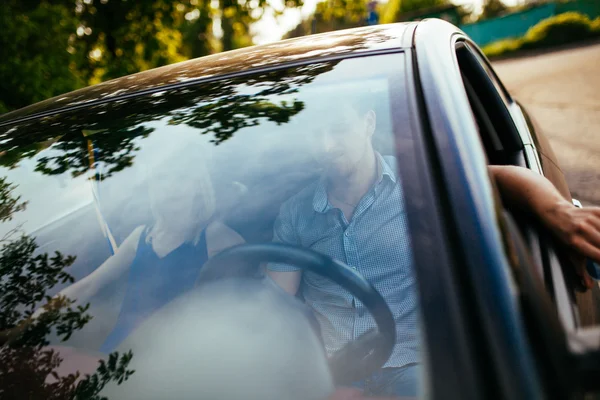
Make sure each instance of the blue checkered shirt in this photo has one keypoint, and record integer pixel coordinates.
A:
(375, 242)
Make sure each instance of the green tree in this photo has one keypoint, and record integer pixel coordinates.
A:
(115, 38)
(235, 23)
(197, 37)
(237, 17)
(123, 37)
(332, 15)
(52, 47)
(340, 14)
(394, 10)
(35, 62)
(493, 9)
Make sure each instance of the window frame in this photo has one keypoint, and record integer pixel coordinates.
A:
(550, 262)
(490, 102)
(508, 366)
(542, 247)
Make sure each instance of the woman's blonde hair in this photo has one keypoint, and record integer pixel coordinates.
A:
(187, 158)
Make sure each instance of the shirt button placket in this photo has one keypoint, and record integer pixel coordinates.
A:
(348, 249)
(351, 256)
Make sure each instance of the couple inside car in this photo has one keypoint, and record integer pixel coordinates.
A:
(354, 213)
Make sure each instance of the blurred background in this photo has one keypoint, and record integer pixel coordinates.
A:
(546, 52)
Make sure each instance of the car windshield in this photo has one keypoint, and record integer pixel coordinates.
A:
(110, 212)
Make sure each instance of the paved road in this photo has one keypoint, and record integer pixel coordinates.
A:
(562, 92)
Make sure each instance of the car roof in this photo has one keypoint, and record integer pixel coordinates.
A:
(292, 51)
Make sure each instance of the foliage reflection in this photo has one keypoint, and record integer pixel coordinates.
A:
(219, 109)
(29, 368)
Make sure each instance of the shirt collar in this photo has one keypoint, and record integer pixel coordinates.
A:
(386, 169)
(320, 201)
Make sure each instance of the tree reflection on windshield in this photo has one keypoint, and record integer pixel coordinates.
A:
(29, 369)
(220, 108)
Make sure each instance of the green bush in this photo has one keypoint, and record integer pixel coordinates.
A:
(502, 47)
(596, 27)
(561, 29)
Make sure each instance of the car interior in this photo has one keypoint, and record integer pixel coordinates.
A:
(249, 189)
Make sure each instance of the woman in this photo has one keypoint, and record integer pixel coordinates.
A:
(159, 260)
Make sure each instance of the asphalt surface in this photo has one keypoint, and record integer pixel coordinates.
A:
(561, 90)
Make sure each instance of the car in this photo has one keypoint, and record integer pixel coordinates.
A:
(195, 162)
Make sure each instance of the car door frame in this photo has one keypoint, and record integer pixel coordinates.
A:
(558, 281)
(577, 307)
(485, 269)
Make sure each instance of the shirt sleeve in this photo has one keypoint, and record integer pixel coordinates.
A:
(284, 232)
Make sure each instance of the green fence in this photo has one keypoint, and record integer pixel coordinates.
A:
(516, 24)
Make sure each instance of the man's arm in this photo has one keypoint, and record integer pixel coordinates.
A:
(577, 227)
(288, 277)
(288, 281)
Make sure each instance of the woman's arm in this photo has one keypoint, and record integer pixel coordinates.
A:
(110, 271)
(104, 289)
(220, 237)
(524, 189)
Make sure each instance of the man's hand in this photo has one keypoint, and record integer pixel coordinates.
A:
(288, 281)
(577, 227)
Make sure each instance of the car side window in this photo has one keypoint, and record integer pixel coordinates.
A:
(489, 103)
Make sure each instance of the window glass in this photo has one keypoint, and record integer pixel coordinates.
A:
(138, 194)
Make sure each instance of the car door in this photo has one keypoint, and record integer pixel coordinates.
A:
(527, 309)
(505, 355)
(547, 303)
(519, 140)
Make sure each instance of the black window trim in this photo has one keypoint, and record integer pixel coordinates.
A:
(480, 72)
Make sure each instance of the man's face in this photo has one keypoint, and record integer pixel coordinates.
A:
(342, 140)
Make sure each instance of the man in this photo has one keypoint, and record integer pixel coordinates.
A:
(355, 213)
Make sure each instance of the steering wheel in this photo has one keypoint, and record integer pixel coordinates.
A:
(357, 359)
